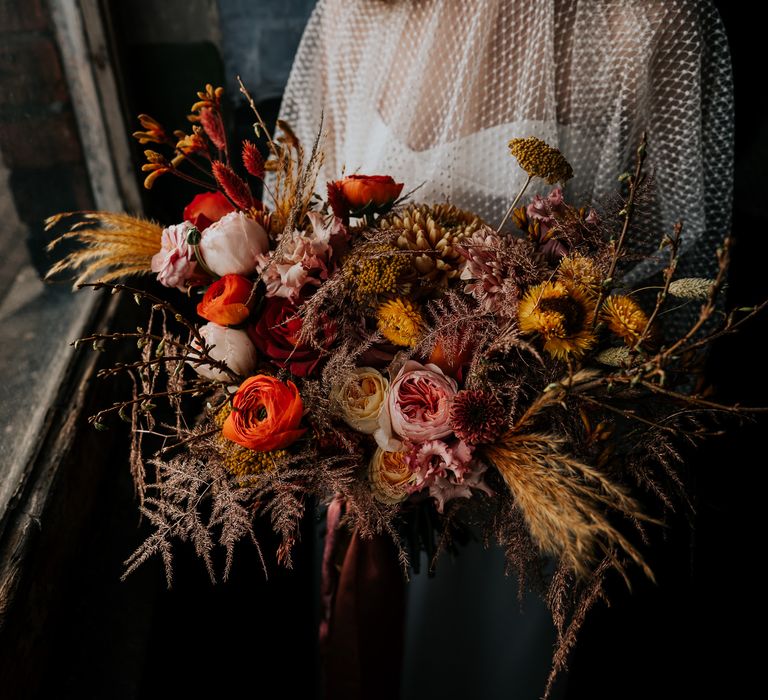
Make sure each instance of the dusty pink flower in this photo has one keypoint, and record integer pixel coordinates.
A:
(175, 262)
(418, 406)
(306, 258)
(447, 471)
(497, 268)
(545, 210)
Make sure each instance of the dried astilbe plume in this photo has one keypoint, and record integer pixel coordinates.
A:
(114, 245)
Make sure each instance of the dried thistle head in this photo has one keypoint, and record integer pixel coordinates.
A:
(539, 159)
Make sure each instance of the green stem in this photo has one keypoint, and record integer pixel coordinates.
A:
(514, 204)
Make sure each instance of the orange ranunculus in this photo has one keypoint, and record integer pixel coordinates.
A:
(363, 193)
(206, 209)
(265, 414)
(227, 301)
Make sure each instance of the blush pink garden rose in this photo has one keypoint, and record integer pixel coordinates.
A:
(417, 408)
(175, 262)
(229, 345)
(234, 245)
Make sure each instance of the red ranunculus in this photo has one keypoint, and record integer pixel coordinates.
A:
(276, 334)
(228, 301)
(207, 208)
(363, 194)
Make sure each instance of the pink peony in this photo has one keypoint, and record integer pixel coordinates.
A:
(175, 263)
(306, 258)
(447, 471)
(418, 406)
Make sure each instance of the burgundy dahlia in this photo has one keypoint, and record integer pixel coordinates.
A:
(477, 416)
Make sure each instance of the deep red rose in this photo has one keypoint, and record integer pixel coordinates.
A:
(206, 209)
(228, 301)
(276, 333)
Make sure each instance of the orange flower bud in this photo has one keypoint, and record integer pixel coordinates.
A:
(368, 192)
(265, 414)
(227, 301)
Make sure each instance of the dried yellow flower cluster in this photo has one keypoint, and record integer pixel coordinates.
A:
(242, 462)
(539, 159)
(379, 273)
(625, 318)
(561, 315)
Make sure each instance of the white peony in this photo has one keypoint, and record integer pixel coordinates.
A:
(231, 346)
(233, 245)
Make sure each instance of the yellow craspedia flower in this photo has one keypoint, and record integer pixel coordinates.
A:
(625, 318)
(579, 271)
(561, 315)
(400, 321)
(539, 159)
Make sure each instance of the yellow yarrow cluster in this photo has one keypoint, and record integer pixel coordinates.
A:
(539, 159)
(378, 274)
(243, 462)
(400, 321)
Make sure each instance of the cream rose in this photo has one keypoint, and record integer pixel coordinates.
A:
(229, 345)
(360, 397)
(234, 245)
(390, 476)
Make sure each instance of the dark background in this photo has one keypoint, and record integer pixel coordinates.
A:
(686, 636)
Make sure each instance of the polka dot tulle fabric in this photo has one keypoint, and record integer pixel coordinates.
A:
(431, 91)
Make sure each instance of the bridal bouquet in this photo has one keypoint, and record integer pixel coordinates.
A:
(418, 367)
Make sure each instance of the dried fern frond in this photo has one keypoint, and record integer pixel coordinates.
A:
(565, 502)
(114, 245)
